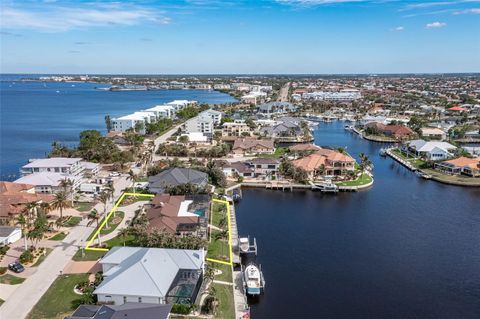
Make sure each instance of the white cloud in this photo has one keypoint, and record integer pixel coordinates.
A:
(435, 25)
(53, 18)
(399, 28)
(468, 11)
(307, 3)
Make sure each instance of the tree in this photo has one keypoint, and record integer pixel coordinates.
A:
(93, 216)
(124, 232)
(60, 202)
(183, 139)
(22, 221)
(104, 197)
(67, 186)
(132, 177)
(108, 123)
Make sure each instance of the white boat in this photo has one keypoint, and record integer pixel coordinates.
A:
(383, 152)
(245, 246)
(253, 280)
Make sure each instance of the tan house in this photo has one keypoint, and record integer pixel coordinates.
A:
(14, 197)
(251, 146)
(325, 162)
(237, 128)
(462, 165)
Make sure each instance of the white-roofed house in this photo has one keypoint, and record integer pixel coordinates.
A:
(431, 150)
(64, 165)
(163, 111)
(49, 182)
(150, 275)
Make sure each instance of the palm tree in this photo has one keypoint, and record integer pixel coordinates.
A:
(67, 186)
(124, 232)
(45, 207)
(132, 177)
(32, 211)
(94, 217)
(60, 202)
(104, 197)
(22, 221)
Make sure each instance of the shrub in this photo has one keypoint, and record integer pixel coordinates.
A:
(182, 309)
(3, 250)
(26, 257)
(3, 270)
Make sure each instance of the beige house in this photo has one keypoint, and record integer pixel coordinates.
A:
(237, 128)
(251, 146)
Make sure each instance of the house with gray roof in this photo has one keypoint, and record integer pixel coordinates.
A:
(127, 310)
(176, 176)
(276, 108)
(150, 275)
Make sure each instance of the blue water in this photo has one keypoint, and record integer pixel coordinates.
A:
(34, 114)
(406, 248)
(200, 212)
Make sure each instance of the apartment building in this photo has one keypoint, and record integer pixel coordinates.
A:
(237, 128)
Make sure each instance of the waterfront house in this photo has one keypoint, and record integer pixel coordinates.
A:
(181, 104)
(237, 128)
(127, 310)
(137, 121)
(179, 215)
(395, 131)
(283, 129)
(326, 162)
(263, 167)
(48, 182)
(14, 197)
(276, 108)
(462, 165)
(63, 165)
(176, 176)
(433, 133)
(431, 150)
(236, 169)
(150, 275)
(303, 149)
(251, 146)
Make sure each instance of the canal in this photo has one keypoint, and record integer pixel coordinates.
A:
(406, 248)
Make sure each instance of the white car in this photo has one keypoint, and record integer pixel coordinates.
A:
(114, 174)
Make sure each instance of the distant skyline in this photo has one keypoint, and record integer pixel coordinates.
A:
(240, 37)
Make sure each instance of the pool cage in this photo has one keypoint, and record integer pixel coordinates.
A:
(185, 287)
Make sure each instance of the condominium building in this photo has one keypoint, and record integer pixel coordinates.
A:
(202, 124)
(163, 111)
(237, 128)
(126, 122)
(215, 115)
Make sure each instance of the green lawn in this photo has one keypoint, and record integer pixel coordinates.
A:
(218, 211)
(226, 307)
(59, 298)
(218, 249)
(11, 279)
(362, 180)
(113, 222)
(42, 257)
(226, 274)
(90, 255)
(84, 206)
(59, 236)
(279, 152)
(118, 241)
(73, 221)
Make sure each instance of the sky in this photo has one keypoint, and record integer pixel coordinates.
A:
(240, 37)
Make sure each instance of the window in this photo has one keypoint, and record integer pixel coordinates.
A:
(124, 299)
(139, 299)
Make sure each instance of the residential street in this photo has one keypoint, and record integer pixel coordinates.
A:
(24, 298)
(283, 94)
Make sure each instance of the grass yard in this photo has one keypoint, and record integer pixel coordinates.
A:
(218, 211)
(42, 257)
(59, 298)
(118, 241)
(90, 255)
(218, 249)
(279, 152)
(362, 180)
(59, 236)
(84, 206)
(72, 221)
(226, 307)
(113, 222)
(226, 274)
(11, 280)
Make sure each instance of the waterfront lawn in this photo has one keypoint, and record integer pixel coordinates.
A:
(8, 279)
(226, 307)
(362, 180)
(218, 248)
(59, 298)
(59, 236)
(456, 179)
(84, 206)
(219, 210)
(90, 255)
(226, 270)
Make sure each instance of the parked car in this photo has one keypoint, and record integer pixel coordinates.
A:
(16, 267)
(114, 174)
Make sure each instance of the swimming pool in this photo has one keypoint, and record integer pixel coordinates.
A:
(200, 212)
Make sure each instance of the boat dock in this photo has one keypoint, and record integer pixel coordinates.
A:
(389, 152)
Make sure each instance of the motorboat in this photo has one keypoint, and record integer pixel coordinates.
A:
(253, 279)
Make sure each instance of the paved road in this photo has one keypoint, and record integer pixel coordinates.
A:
(24, 298)
(163, 138)
(283, 94)
(228, 159)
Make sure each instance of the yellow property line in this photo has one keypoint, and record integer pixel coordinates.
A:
(105, 220)
(229, 234)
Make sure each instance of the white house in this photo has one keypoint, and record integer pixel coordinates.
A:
(215, 115)
(181, 104)
(49, 182)
(9, 235)
(64, 165)
(150, 275)
(163, 111)
(200, 124)
(236, 128)
(432, 150)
